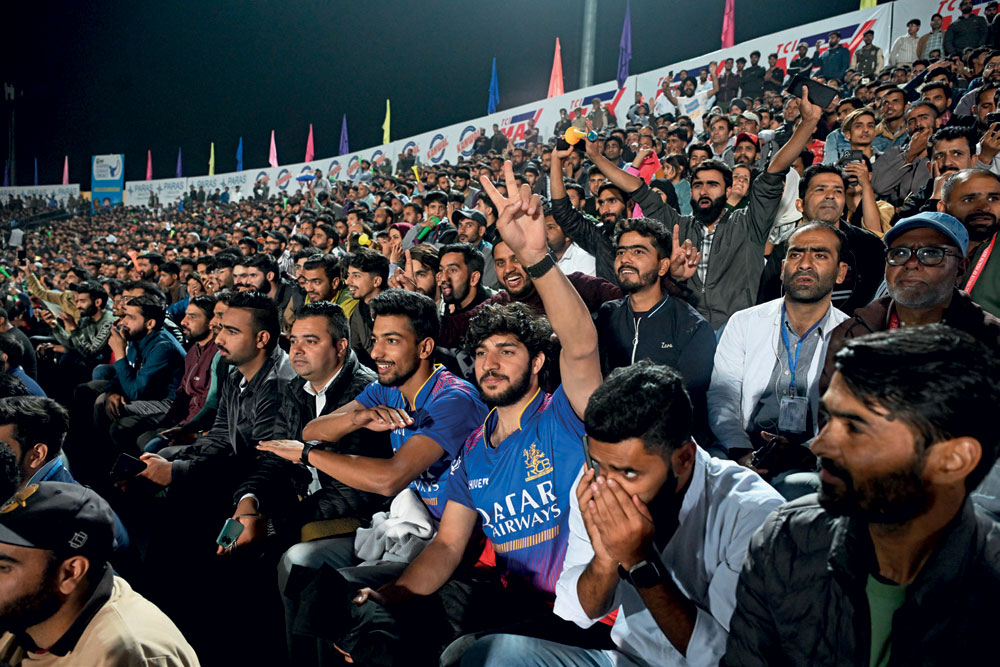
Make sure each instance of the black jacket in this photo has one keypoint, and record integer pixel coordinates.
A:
(801, 596)
(278, 483)
(227, 454)
(672, 333)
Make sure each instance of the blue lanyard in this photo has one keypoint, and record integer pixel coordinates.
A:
(793, 364)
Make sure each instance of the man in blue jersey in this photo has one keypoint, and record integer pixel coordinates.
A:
(658, 533)
(516, 473)
(428, 411)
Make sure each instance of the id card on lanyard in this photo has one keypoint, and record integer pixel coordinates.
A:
(793, 411)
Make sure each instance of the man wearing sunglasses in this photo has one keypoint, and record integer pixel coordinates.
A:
(924, 269)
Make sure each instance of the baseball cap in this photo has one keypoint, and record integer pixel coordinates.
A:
(68, 519)
(948, 225)
(470, 214)
(750, 115)
(746, 136)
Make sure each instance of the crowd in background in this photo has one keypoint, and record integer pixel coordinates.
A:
(705, 377)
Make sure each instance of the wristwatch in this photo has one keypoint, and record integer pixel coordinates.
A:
(536, 271)
(306, 448)
(644, 574)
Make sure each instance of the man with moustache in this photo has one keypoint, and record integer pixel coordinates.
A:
(322, 281)
(193, 409)
(890, 564)
(924, 267)
(472, 225)
(764, 389)
(973, 196)
(650, 324)
(731, 243)
(949, 150)
(903, 169)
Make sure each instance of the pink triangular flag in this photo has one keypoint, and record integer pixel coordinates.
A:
(729, 25)
(310, 153)
(556, 78)
(149, 165)
(273, 158)
(66, 171)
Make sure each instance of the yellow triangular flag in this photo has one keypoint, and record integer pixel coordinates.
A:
(385, 125)
(211, 160)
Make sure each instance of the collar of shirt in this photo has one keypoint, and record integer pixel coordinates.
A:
(883, 130)
(100, 595)
(819, 328)
(426, 389)
(42, 473)
(530, 409)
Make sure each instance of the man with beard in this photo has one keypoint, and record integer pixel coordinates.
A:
(649, 323)
(892, 128)
(747, 152)
(823, 198)
(460, 277)
(973, 196)
(893, 558)
(901, 170)
(321, 279)
(658, 529)
(968, 104)
(967, 31)
(193, 409)
(732, 243)
(689, 102)
(833, 62)
(148, 265)
(949, 150)
(261, 274)
(472, 226)
(528, 449)
(770, 404)
(428, 411)
(419, 273)
(144, 384)
(84, 336)
(61, 602)
(925, 266)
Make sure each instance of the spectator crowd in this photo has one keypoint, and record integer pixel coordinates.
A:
(704, 380)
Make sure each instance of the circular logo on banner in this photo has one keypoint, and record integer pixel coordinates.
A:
(284, 176)
(333, 171)
(260, 175)
(353, 166)
(378, 157)
(436, 152)
(467, 140)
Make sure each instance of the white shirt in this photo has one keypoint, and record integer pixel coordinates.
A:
(723, 507)
(577, 259)
(692, 107)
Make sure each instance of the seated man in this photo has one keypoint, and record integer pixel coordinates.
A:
(428, 411)
(891, 564)
(516, 471)
(11, 355)
(146, 376)
(329, 377)
(367, 276)
(658, 533)
(62, 603)
(193, 407)
(768, 363)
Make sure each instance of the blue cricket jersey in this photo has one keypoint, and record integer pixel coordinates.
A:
(446, 410)
(522, 488)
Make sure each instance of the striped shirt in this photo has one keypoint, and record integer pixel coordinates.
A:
(904, 50)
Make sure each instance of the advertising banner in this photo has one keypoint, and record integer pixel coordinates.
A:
(107, 180)
(58, 192)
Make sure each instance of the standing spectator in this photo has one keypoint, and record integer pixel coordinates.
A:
(904, 50)
(833, 62)
(802, 63)
(752, 81)
(690, 102)
(600, 115)
(932, 41)
(868, 59)
(729, 85)
(968, 31)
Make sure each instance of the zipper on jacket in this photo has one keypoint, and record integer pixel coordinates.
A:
(635, 338)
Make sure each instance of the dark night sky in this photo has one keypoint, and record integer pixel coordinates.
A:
(124, 77)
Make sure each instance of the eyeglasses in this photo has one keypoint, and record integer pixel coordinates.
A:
(928, 255)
